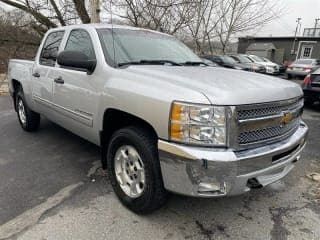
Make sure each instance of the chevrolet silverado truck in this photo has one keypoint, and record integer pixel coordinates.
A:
(165, 121)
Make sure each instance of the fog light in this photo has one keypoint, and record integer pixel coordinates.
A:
(212, 189)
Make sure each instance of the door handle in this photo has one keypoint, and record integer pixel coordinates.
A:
(59, 80)
(36, 74)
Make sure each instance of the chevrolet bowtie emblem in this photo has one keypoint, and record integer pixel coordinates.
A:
(287, 118)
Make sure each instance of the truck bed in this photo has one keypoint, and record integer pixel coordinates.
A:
(20, 70)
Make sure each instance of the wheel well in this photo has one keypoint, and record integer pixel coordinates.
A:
(16, 86)
(114, 120)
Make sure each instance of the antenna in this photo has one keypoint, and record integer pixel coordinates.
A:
(112, 33)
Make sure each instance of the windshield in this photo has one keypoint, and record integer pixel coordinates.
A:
(243, 59)
(228, 59)
(304, 61)
(142, 45)
(256, 59)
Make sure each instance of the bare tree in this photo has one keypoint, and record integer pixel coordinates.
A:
(200, 23)
(163, 15)
(17, 38)
(237, 16)
(95, 11)
(48, 14)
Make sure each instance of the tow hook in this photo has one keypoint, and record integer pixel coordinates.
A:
(253, 183)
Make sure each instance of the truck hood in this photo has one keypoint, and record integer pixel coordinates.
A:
(220, 85)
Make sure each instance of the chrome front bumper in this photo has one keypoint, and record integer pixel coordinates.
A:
(213, 172)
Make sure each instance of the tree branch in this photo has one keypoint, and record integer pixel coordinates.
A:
(59, 15)
(82, 11)
(37, 15)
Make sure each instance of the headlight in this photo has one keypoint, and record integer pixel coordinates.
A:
(198, 124)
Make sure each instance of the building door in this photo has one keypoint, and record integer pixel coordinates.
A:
(306, 51)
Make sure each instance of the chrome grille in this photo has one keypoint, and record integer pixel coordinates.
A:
(264, 110)
(267, 133)
(261, 123)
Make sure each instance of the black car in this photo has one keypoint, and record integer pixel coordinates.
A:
(209, 62)
(227, 62)
(282, 68)
(311, 87)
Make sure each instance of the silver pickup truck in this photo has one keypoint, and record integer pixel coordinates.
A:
(165, 121)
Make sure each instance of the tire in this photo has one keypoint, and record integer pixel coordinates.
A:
(289, 76)
(308, 102)
(28, 119)
(124, 144)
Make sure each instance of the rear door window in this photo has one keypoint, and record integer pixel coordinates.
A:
(50, 48)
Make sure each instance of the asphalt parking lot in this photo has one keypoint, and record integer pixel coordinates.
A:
(52, 187)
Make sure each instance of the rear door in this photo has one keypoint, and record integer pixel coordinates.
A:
(74, 95)
(42, 73)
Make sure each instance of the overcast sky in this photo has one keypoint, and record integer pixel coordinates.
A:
(308, 10)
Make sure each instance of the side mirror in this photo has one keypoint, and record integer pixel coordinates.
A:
(76, 60)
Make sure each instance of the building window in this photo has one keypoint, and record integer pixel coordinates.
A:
(306, 52)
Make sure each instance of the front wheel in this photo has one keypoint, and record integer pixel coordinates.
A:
(289, 76)
(134, 170)
(308, 102)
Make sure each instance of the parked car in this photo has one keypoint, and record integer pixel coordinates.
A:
(311, 87)
(163, 120)
(282, 67)
(271, 68)
(302, 67)
(254, 67)
(209, 62)
(227, 62)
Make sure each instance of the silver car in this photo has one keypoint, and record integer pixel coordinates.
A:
(302, 67)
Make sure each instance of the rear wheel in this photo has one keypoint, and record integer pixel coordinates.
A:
(134, 170)
(28, 119)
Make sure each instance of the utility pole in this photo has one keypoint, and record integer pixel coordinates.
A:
(95, 11)
(315, 26)
(295, 36)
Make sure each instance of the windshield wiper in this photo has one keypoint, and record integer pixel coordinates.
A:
(149, 62)
(189, 63)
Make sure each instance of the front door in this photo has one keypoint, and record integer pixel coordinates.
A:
(74, 93)
(42, 93)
